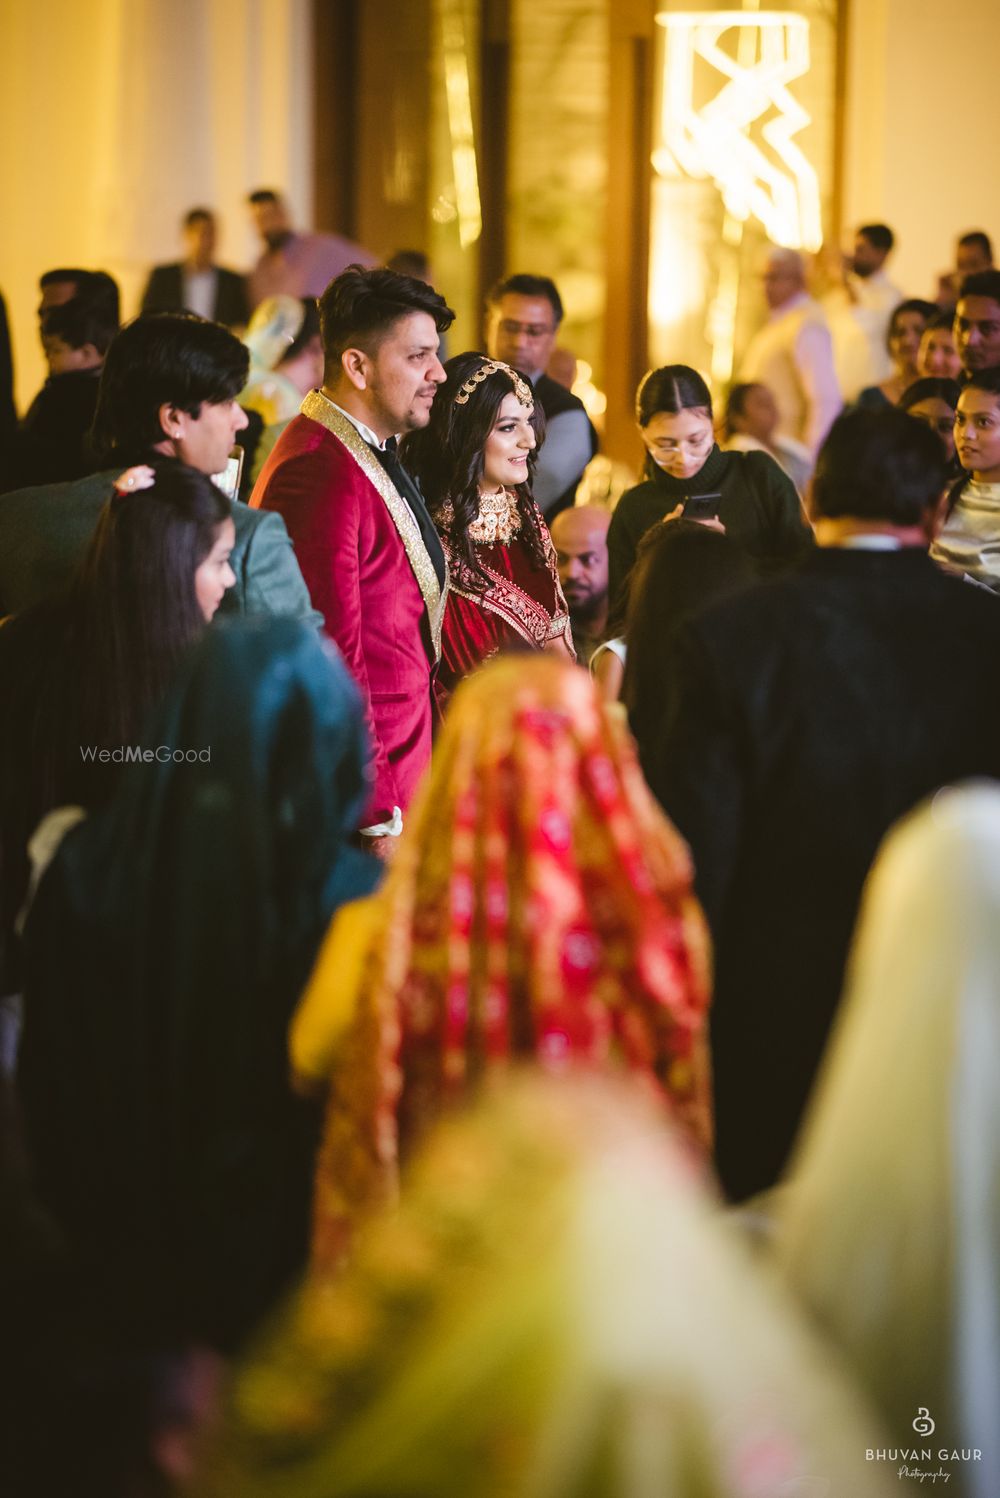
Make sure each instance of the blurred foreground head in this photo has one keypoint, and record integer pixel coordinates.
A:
(878, 465)
(890, 1223)
(555, 1308)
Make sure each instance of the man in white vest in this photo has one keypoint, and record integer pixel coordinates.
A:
(793, 354)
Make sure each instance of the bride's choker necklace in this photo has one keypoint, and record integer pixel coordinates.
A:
(499, 519)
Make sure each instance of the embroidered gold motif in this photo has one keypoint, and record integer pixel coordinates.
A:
(524, 614)
(498, 521)
(318, 408)
(527, 616)
(560, 620)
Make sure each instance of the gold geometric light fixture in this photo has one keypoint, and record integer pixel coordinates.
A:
(767, 177)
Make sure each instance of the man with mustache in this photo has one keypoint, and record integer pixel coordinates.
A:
(580, 537)
(368, 549)
(977, 322)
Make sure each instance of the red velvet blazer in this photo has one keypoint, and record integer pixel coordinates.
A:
(368, 572)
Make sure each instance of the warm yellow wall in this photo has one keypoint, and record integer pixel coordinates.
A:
(557, 164)
(922, 126)
(117, 115)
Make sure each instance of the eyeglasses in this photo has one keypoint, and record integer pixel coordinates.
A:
(669, 447)
(533, 330)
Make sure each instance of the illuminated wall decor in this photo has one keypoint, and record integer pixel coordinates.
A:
(777, 185)
(743, 158)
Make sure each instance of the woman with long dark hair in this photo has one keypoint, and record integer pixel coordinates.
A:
(474, 462)
(745, 494)
(967, 541)
(153, 576)
(80, 671)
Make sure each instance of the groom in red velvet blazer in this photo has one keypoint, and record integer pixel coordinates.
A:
(367, 547)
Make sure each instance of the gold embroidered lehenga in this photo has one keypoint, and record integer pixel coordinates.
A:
(520, 604)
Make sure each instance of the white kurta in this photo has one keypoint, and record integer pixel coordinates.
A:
(793, 355)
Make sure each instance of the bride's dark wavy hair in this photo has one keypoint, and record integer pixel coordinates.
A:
(446, 458)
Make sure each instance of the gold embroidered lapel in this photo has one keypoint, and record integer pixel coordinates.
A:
(318, 408)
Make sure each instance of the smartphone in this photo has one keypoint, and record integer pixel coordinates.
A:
(229, 479)
(701, 507)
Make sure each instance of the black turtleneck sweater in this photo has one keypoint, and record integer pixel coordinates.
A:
(759, 509)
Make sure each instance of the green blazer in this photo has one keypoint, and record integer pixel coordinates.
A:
(44, 532)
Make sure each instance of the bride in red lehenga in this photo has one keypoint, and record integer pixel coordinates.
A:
(474, 464)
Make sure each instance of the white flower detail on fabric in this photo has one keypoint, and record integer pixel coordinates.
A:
(134, 479)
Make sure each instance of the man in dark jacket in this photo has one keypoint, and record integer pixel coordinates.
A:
(53, 441)
(802, 718)
(523, 314)
(196, 283)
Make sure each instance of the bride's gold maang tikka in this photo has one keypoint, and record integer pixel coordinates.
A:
(490, 366)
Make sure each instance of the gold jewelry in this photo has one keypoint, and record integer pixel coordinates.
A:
(498, 521)
(521, 387)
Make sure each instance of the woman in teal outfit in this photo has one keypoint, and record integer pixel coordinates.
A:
(166, 948)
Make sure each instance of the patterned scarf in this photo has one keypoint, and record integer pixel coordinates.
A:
(540, 907)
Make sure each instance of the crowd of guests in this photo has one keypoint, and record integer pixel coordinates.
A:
(435, 1058)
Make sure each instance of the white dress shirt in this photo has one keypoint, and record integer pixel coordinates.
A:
(859, 324)
(793, 355)
(198, 291)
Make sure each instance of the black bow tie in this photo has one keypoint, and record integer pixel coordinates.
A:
(388, 456)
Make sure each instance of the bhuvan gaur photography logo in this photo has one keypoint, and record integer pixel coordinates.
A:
(923, 1424)
(914, 1464)
(138, 754)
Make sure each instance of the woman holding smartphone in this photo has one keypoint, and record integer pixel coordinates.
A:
(746, 495)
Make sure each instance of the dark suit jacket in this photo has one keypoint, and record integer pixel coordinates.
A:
(44, 533)
(52, 443)
(803, 717)
(164, 293)
(370, 575)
